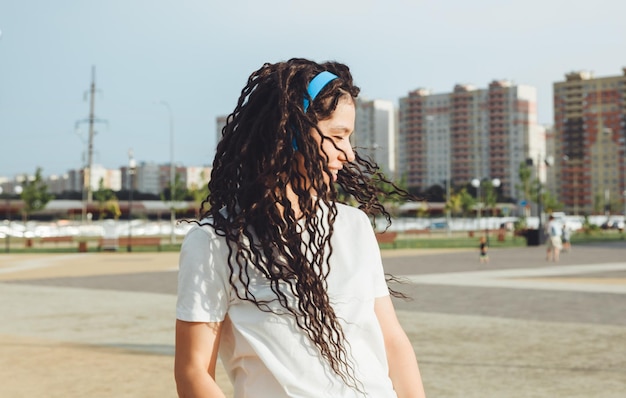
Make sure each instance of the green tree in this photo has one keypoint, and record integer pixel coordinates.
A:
(491, 195)
(467, 202)
(598, 203)
(181, 192)
(531, 188)
(35, 194)
(422, 209)
(435, 193)
(107, 202)
(616, 205)
(550, 202)
(200, 193)
(455, 203)
(389, 190)
(528, 187)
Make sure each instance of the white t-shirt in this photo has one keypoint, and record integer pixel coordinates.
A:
(267, 355)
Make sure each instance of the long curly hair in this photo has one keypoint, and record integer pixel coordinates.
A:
(264, 139)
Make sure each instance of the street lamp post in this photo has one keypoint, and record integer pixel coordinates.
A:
(622, 142)
(8, 210)
(172, 171)
(476, 183)
(447, 206)
(131, 172)
(548, 161)
(624, 195)
(574, 196)
(495, 183)
(448, 176)
(18, 191)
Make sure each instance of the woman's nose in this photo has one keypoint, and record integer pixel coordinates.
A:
(347, 154)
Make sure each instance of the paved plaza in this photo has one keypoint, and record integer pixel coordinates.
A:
(102, 324)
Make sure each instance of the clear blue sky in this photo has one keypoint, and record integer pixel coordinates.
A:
(197, 55)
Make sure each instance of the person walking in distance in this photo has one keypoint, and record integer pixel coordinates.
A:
(483, 255)
(277, 275)
(566, 235)
(553, 243)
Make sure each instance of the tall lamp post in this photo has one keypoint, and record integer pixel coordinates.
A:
(17, 190)
(172, 171)
(574, 196)
(476, 183)
(624, 195)
(448, 176)
(549, 161)
(131, 173)
(447, 205)
(622, 142)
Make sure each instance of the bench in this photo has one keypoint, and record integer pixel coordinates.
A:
(123, 241)
(56, 239)
(387, 238)
(417, 232)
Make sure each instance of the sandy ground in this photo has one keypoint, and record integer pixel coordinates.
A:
(59, 341)
(99, 365)
(44, 368)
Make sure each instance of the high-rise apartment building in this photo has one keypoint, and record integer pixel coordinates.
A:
(590, 132)
(376, 132)
(468, 133)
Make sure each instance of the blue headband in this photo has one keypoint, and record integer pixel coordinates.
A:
(317, 84)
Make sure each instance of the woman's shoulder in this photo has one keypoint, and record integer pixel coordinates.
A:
(204, 227)
(352, 215)
(203, 236)
(350, 211)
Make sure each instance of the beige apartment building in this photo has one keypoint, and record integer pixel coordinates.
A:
(469, 134)
(589, 123)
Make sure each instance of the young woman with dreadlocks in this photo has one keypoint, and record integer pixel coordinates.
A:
(281, 279)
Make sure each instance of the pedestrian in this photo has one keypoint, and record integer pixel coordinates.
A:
(566, 236)
(553, 243)
(483, 256)
(278, 276)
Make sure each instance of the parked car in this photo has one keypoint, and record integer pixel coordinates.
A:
(438, 225)
(613, 224)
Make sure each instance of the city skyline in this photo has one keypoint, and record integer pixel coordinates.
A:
(197, 56)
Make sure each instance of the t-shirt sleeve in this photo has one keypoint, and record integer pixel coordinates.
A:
(203, 277)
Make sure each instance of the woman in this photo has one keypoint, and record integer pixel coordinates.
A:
(278, 277)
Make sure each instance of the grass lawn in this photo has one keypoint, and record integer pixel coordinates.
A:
(434, 240)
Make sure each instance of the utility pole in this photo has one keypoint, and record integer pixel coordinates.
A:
(172, 172)
(448, 176)
(539, 200)
(88, 170)
(92, 103)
